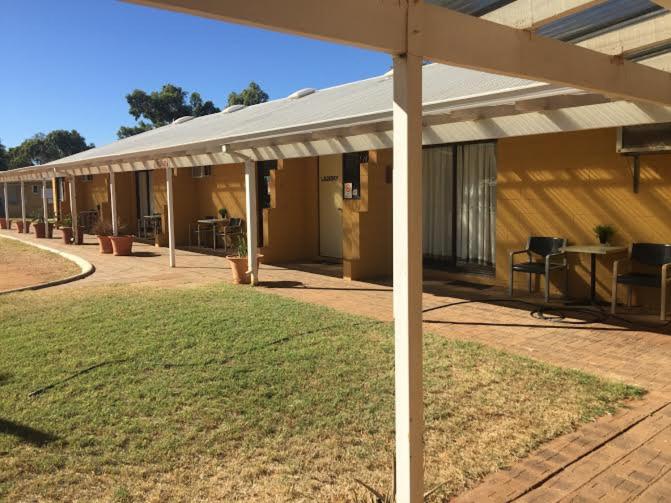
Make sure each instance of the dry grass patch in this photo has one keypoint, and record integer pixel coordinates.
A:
(25, 265)
(227, 393)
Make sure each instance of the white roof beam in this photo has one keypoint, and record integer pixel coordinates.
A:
(532, 14)
(444, 36)
(371, 24)
(648, 33)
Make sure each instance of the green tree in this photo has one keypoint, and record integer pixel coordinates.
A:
(160, 108)
(251, 95)
(4, 161)
(43, 148)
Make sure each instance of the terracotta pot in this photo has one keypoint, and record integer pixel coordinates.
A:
(80, 235)
(26, 229)
(40, 229)
(50, 231)
(67, 235)
(105, 244)
(19, 226)
(239, 270)
(5, 223)
(122, 245)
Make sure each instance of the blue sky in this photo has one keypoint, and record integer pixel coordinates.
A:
(68, 64)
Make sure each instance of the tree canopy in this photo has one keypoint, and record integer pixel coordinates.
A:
(4, 162)
(251, 95)
(43, 148)
(160, 108)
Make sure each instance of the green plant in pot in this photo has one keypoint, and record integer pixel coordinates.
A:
(223, 213)
(240, 262)
(604, 233)
(103, 231)
(40, 226)
(122, 243)
(66, 229)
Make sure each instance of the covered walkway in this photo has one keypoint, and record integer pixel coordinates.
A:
(625, 455)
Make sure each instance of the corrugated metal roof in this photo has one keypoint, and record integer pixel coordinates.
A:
(473, 7)
(602, 18)
(362, 101)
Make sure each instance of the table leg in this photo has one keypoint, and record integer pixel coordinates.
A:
(214, 237)
(198, 234)
(592, 278)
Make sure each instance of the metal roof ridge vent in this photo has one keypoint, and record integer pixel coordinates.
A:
(182, 120)
(233, 108)
(301, 93)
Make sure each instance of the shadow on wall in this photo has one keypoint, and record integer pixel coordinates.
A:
(564, 185)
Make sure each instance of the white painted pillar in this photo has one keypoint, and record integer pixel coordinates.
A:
(115, 223)
(6, 194)
(252, 220)
(171, 216)
(407, 218)
(45, 208)
(23, 205)
(73, 209)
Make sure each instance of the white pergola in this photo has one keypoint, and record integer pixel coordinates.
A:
(623, 65)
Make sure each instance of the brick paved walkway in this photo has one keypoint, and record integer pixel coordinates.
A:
(618, 458)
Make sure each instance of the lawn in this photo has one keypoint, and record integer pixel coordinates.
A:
(231, 394)
(25, 265)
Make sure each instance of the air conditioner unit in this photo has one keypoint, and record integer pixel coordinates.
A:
(645, 138)
(201, 171)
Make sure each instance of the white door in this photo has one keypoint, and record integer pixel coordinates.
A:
(330, 206)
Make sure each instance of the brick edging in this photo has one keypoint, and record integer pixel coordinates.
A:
(86, 267)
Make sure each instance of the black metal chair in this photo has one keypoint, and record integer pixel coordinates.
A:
(652, 255)
(553, 259)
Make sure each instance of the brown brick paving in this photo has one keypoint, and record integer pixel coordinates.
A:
(623, 457)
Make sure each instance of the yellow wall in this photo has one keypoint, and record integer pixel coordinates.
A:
(33, 201)
(367, 222)
(291, 224)
(565, 184)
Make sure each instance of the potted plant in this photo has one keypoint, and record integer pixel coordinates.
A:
(39, 226)
(604, 233)
(223, 212)
(239, 262)
(21, 228)
(103, 231)
(122, 244)
(66, 228)
(5, 223)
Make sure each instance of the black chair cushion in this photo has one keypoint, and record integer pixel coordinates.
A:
(531, 267)
(640, 279)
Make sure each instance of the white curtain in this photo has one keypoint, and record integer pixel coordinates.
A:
(476, 203)
(437, 169)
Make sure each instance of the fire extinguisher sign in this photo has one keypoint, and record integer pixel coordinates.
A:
(348, 190)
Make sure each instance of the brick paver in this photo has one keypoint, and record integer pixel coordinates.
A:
(623, 457)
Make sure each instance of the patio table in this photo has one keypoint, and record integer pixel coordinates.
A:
(153, 220)
(212, 222)
(593, 251)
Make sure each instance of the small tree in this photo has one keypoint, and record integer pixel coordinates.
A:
(251, 95)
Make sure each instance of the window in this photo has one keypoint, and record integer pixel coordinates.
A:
(87, 178)
(351, 174)
(36, 189)
(201, 171)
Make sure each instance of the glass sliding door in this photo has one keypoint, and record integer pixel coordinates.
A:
(459, 204)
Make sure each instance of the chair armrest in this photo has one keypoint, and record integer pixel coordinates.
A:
(618, 265)
(550, 256)
(517, 252)
(665, 273)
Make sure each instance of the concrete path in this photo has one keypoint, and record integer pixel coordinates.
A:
(618, 458)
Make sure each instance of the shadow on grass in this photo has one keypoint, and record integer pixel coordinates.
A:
(26, 433)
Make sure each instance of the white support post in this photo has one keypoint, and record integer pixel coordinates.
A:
(23, 205)
(252, 220)
(407, 218)
(45, 208)
(73, 210)
(115, 224)
(6, 194)
(171, 216)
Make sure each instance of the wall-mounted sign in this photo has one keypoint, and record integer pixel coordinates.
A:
(348, 191)
(329, 178)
